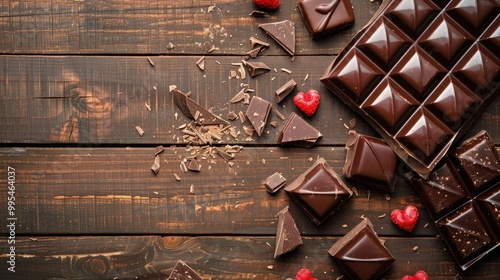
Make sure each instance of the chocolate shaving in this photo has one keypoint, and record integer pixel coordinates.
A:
(159, 150)
(201, 63)
(156, 165)
(232, 116)
(238, 97)
(226, 156)
(255, 43)
(259, 14)
(139, 130)
(189, 107)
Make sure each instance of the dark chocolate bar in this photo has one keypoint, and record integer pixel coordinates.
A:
(370, 161)
(319, 191)
(463, 197)
(361, 254)
(323, 17)
(420, 73)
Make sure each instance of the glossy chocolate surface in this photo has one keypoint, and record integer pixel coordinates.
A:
(182, 271)
(463, 197)
(361, 254)
(421, 72)
(370, 161)
(257, 113)
(323, 17)
(319, 191)
(298, 132)
(287, 234)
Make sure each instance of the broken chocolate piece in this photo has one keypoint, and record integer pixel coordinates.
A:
(259, 14)
(257, 113)
(361, 254)
(287, 234)
(201, 63)
(182, 271)
(297, 132)
(255, 42)
(274, 182)
(159, 150)
(323, 18)
(254, 52)
(319, 191)
(462, 196)
(226, 156)
(284, 90)
(370, 161)
(257, 68)
(189, 108)
(232, 116)
(283, 32)
(156, 165)
(139, 130)
(194, 165)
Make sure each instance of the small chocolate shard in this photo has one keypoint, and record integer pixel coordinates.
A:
(284, 90)
(238, 97)
(201, 63)
(287, 234)
(139, 130)
(242, 117)
(297, 132)
(159, 150)
(182, 271)
(151, 62)
(255, 42)
(156, 165)
(194, 165)
(257, 68)
(254, 52)
(189, 107)
(232, 116)
(226, 156)
(257, 113)
(259, 14)
(283, 33)
(274, 182)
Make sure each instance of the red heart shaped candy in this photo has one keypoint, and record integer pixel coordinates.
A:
(420, 275)
(405, 219)
(307, 102)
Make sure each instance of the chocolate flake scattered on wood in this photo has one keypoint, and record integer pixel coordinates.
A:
(139, 130)
(255, 42)
(248, 130)
(274, 182)
(170, 46)
(189, 108)
(226, 156)
(147, 106)
(257, 68)
(151, 62)
(183, 167)
(242, 116)
(280, 115)
(210, 8)
(232, 116)
(156, 165)
(201, 63)
(257, 113)
(159, 150)
(286, 70)
(254, 52)
(284, 90)
(381, 216)
(242, 72)
(238, 97)
(191, 189)
(232, 74)
(194, 165)
(283, 33)
(259, 14)
(177, 178)
(246, 98)
(274, 123)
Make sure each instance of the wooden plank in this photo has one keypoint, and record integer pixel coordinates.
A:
(113, 191)
(237, 257)
(99, 100)
(147, 27)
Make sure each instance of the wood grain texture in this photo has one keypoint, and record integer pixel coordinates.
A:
(112, 190)
(242, 257)
(147, 27)
(103, 98)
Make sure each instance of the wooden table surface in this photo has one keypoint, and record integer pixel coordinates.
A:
(74, 82)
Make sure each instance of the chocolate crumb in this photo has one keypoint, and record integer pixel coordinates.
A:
(177, 178)
(381, 216)
(191, 189)
(259, 14)
(159, 150)
(139, 130)
(242, 116)
(201, 63)
(156, 165)
(170, 46)
(387, 196)
(194, 165)
(280, 115)
(232, 116)
(147, 106)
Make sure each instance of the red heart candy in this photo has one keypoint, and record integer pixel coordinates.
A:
(405, 219)
(307, 102)
(420, 275)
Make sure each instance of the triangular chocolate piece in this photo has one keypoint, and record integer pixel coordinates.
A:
(257, 68)
(257, 113)
(190, 108)
(297, 132)
(283, 32)
(287, 234)
(360, 254)
(319, 191)
(182, 271)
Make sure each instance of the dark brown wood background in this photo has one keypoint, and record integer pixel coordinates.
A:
(87, 203)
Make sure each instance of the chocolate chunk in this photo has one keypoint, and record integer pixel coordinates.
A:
(462, 195)
(225, 155)
(257, 68)
(322, 17)
(156, 165)
(194, 165)
(159, 149)
(287, 234)
(182, 271)
(201, 63)
(274, 182)
(254, 52)
(420, 74)
(232, 116)
(283, 32)
(260, 14)
(190, 108)
(257, 113)
(361, 254)
(370, 161)
(284, 90)
(297, 132)
(319, 191)
(255, 42)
